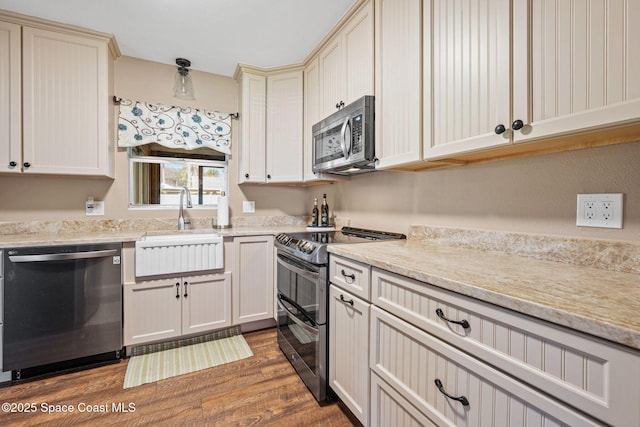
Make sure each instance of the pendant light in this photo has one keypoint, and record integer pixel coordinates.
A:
(183, 85)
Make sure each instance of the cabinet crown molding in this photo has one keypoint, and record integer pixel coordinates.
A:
(34, 22)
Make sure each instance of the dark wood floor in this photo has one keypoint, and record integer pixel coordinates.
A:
(258, 391)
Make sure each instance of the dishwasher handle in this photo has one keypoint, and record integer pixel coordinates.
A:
(63, 256)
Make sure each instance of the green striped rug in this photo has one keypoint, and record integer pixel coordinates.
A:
(151, 366)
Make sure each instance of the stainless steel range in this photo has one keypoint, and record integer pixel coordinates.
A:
(303, 299)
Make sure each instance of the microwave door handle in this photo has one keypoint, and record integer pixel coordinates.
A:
(343, 137)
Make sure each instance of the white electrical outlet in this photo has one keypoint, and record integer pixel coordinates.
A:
(599, 210)
(248, 207)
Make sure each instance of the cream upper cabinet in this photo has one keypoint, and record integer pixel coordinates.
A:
(582, 62)
(253, 121)
(10, 101)
(284, 127)
(398, 81)
(467, 59)
(346, 62)
(61, 86)
(499, 72)
(271, 121)
(311, 115)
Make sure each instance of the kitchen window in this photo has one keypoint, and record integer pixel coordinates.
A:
(157, 174)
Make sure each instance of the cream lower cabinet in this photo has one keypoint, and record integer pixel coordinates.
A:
(349, 306)
(171, 307)
(449, 387)
(348, 351)
(499, 360)
(252, 288)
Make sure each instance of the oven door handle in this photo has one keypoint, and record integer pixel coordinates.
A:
(302, 311)
(313, 275)
(63, 256)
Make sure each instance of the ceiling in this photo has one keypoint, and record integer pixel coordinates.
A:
(215, 35)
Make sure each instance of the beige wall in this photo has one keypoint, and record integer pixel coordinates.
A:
(25, 198)
(535, 194)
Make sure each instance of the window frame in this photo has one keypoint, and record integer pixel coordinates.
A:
(133, 159)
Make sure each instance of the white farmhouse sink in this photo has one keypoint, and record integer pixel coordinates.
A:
(158, 254)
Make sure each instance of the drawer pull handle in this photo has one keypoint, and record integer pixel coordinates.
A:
(344, 300)
(460, 399)
(350, 276)
(186, 294)
(177, 290)
(462, 323)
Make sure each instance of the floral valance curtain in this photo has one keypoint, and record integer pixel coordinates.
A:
(176, 127)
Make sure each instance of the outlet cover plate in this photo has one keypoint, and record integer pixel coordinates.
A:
(248, 206)
(96, 210)
(599, 210)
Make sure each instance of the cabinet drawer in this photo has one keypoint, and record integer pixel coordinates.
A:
(389, 408)
(411, 361)
(351, 276)
(585, 372)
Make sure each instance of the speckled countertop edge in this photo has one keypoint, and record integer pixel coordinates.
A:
(84, 237)
(597, 302)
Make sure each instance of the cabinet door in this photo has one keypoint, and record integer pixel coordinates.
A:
(284, 127)
(65, 99)
(466, 76)
(152, 311)
(332, 81)
(311, 114)
(398, 82)
(252, 281)
(10, 99)
(252, 151)
(357, 42)
(583, 64)
(349, 351)
(206, 302)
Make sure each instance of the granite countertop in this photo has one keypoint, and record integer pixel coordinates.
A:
(598, 302)
(84, 237)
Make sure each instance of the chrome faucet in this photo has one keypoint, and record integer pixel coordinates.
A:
(181, 221)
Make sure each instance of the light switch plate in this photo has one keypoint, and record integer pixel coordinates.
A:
(248, 206)
(599, 210)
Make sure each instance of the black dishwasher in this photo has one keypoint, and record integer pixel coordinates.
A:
(62, 307)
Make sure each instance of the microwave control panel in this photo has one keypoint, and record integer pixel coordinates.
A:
(356, 134)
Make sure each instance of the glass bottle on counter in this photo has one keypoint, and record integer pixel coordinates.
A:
(324, 212)
(314, 213)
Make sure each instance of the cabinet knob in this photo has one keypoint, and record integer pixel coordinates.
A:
(340, 104)
(26, 164)
(12, 164)
(500, 129)
(517, 124)
(268, 176)
(246, 175)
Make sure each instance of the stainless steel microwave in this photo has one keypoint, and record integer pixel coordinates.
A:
(344, 142)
